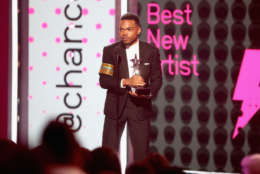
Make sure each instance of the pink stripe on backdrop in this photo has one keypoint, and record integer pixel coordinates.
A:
(4, 16)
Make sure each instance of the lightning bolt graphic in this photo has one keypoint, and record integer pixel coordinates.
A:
(247, 88)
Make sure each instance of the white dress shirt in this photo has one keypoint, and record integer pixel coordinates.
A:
(131, 52)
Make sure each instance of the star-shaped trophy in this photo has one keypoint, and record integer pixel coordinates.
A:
(136, 65)
(140, 90)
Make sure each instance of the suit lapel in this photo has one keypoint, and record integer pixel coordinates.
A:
(124, 72)
(142, 53)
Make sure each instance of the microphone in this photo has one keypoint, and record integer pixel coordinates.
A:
(117, 53)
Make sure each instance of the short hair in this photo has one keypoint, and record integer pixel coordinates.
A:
(104, 159)
(139, 168)
(131, 16)
(250, 163)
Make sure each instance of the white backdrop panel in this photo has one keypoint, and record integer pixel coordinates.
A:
(66, 38)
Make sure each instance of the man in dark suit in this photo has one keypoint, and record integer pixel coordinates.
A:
(123, 102)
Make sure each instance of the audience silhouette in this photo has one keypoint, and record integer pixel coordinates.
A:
(104, 159)
(60, 153)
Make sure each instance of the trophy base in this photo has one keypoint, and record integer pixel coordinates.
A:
(143, 91)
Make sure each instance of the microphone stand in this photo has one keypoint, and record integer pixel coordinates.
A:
(117, 98)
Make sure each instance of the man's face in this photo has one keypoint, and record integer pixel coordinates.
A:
(129, 32)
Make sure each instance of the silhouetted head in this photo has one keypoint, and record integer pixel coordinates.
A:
(156, 161)
(17, 159)
(171, 170)
(104, 159)
(86, 158)
(251, 164)
(59, 141)
(139, 168)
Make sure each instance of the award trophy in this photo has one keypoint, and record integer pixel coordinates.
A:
(139, 90)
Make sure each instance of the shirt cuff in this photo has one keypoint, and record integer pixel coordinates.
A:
(121, 84)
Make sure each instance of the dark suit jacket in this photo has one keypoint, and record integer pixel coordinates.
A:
(150, 66)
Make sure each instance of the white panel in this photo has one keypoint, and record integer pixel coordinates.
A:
(93, 29)
(123, 142)
(14, 77)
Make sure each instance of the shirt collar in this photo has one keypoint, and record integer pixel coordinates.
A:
(134, 46)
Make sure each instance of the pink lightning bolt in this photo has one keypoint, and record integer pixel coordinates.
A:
(248, 88)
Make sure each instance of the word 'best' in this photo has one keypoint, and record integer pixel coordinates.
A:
(177, 16)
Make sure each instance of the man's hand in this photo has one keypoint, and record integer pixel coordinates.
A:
(132, 93)
(134, 81)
